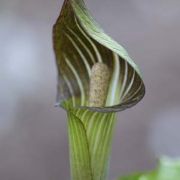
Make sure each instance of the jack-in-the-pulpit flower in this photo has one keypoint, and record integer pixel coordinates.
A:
(96, 78)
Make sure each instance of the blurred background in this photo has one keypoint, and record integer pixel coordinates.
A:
(33, 133)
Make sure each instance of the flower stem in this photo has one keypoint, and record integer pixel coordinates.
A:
(90, 137)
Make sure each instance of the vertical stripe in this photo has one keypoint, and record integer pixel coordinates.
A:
(78, 81)
(88, 68)
(83, 44)
(114, 83)
(70, 90)
(125, 77)
(98, 55)
(129, 87)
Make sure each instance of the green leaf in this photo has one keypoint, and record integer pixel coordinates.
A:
(133, 177)
(168, 169)
(79, 43)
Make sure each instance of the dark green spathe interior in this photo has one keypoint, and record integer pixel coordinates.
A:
(79, 43)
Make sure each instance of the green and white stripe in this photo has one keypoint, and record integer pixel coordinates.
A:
(79, 43)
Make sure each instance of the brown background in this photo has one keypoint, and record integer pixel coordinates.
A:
(33, 133)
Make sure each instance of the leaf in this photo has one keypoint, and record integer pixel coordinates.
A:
(79, 43)
(168, 169)
(133, 177)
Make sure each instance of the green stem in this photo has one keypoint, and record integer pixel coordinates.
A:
(90, 138)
